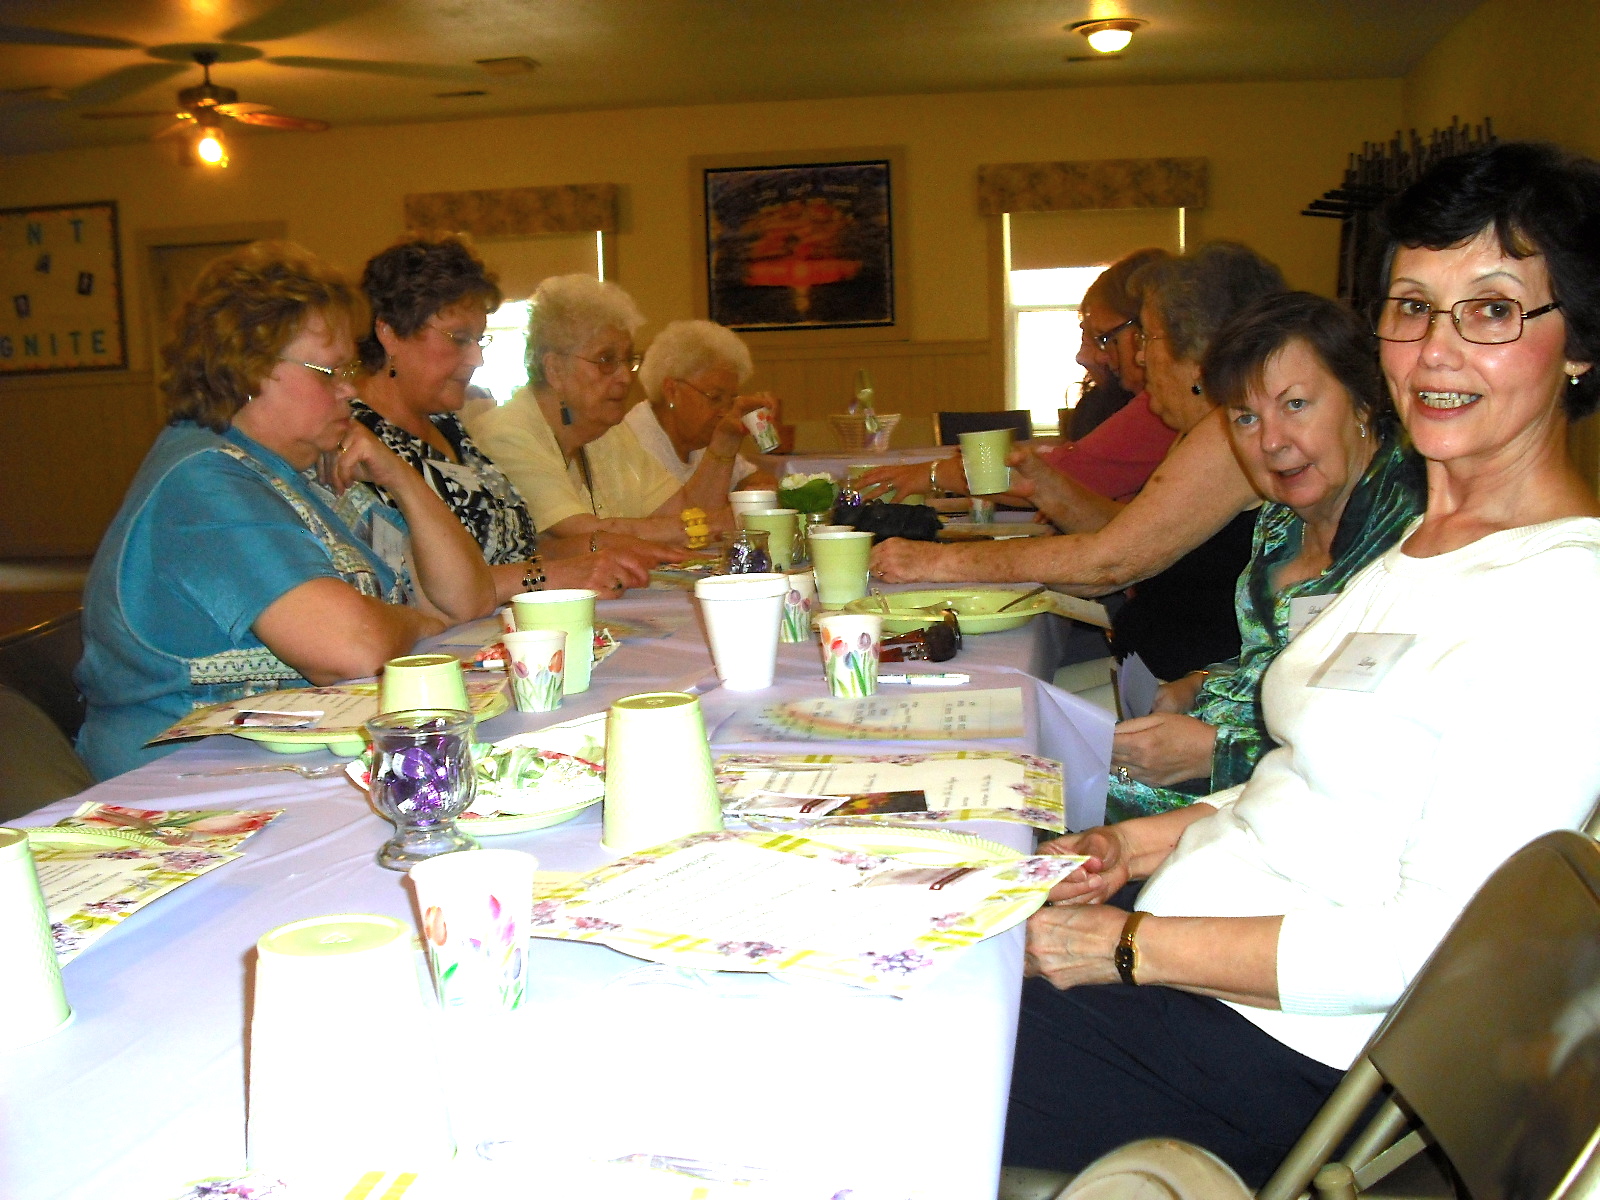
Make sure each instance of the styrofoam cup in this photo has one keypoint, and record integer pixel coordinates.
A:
(742, 614)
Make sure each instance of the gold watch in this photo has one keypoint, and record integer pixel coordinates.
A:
(1126, 955)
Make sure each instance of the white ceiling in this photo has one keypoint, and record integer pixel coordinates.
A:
(356, 62)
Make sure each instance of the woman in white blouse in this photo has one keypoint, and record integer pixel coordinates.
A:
(691, 377)
(1435, 718)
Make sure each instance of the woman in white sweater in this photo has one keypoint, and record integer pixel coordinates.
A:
(1436, 717)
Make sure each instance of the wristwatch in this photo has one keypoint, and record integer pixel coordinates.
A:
(1126, 955)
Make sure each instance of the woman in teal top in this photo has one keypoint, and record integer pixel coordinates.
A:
(228, 570)
(1316, 436)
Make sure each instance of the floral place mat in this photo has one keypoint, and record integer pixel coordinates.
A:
(88, 891)
(337, 711)
(802, 907)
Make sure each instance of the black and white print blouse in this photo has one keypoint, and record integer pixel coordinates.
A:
(476, 490)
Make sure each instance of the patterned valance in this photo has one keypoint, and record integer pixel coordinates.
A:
(1104, 183)
(517, 212)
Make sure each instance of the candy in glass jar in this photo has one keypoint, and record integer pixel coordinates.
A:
(747, 553)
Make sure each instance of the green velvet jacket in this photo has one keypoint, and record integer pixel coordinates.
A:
(1390, 495)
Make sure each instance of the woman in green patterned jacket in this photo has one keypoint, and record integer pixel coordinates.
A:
(1317, 437)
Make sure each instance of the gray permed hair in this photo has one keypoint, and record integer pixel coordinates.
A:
(1197, 294)
(567, 311)
(686, 348)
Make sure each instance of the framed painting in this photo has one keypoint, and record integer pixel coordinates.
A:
(61, 289)
(801, 242)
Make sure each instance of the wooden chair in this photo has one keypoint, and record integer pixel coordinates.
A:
(948, 426)
(39, 661)
(1490, 1061)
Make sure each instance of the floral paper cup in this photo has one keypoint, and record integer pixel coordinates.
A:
(476, 907)
(536, 666)
(797, 605)
(850, 647)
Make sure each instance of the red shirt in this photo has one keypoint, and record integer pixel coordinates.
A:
(1119, 454)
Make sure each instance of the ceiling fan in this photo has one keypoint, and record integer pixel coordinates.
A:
(202, 104)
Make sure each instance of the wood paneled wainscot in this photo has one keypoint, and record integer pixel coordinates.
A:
(72, 444)
(915, 379)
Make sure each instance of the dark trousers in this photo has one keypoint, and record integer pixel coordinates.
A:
(1099, 1066)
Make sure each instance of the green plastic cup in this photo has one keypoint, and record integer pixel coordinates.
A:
(422, 681)
(780, 527)
(840, 562)
(32, 1002)
(659, 781)
(983, 455)
(572, 611)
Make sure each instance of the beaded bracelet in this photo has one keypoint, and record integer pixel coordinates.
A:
(533, 578)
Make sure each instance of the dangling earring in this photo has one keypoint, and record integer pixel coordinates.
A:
(1362, 428)
(392, 371)
(1196, 389)
(1573, 380)
(566, 415)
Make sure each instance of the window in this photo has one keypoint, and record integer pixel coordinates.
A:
(1051, 258)
(521, 263)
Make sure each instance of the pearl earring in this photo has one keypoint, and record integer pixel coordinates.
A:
(1573, 380)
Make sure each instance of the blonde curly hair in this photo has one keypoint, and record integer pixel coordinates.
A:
(241, 312)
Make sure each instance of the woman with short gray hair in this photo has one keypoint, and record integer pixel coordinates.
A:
(561, 440)
(691, 376)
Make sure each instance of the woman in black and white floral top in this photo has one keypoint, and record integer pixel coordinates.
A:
(431, 297)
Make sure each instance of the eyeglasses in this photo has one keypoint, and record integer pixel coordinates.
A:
(1483, 320)
(347, 373)
(463, 340)
(1104, 340)
(715, 399)
(610, 363)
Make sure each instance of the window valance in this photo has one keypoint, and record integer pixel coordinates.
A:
(1101, 183)
(517, 212)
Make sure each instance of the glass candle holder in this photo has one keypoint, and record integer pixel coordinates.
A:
(422, 780)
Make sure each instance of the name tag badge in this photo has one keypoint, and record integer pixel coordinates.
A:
(1304, 609)
(1361, 661)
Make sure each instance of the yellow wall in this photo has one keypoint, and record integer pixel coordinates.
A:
(1272, 147)
(1530, 66)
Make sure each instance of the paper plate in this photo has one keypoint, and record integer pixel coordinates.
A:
(345, 745)
(924, 847)
(974, 606)
(577, 737)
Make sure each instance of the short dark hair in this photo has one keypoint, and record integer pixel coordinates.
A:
(1238, 357)
(245, 307)
(1196, 294)
(422, 274)
(1538, 199)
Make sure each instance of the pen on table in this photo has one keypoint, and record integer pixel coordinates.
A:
(948, 678)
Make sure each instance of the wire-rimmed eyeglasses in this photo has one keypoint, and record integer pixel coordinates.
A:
(464, 340)
(610, 363)
(347, 373)
(1482, 320)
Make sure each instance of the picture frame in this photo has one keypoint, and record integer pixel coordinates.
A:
(61, 292)
(802, 243)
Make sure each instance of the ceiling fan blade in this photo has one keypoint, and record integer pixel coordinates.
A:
(29, 35)
(291, 17)
(124, 82)
(180, 129)
(117, 116)
(362, 66)
(280, 121)
(239, 108)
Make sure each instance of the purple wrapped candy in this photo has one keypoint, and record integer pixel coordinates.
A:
(422, 780)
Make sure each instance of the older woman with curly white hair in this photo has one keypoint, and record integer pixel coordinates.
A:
(691, 377)
(561, 440)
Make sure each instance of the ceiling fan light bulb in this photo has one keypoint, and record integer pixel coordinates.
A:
(211, 151)
(1109, 41)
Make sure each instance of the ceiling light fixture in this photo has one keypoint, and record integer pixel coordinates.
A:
(1108, 37)
(209, 148)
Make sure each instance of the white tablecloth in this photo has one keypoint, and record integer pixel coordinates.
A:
(145, 1089)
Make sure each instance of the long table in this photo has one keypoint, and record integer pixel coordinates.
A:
(145, 1090)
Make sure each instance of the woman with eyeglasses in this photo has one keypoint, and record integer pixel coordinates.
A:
(431, 297)
(229, 569)
(1437, 716)
(1117, 455)
(561, 439)
(691, 377)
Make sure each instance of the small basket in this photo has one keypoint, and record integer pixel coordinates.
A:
(851, 430)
